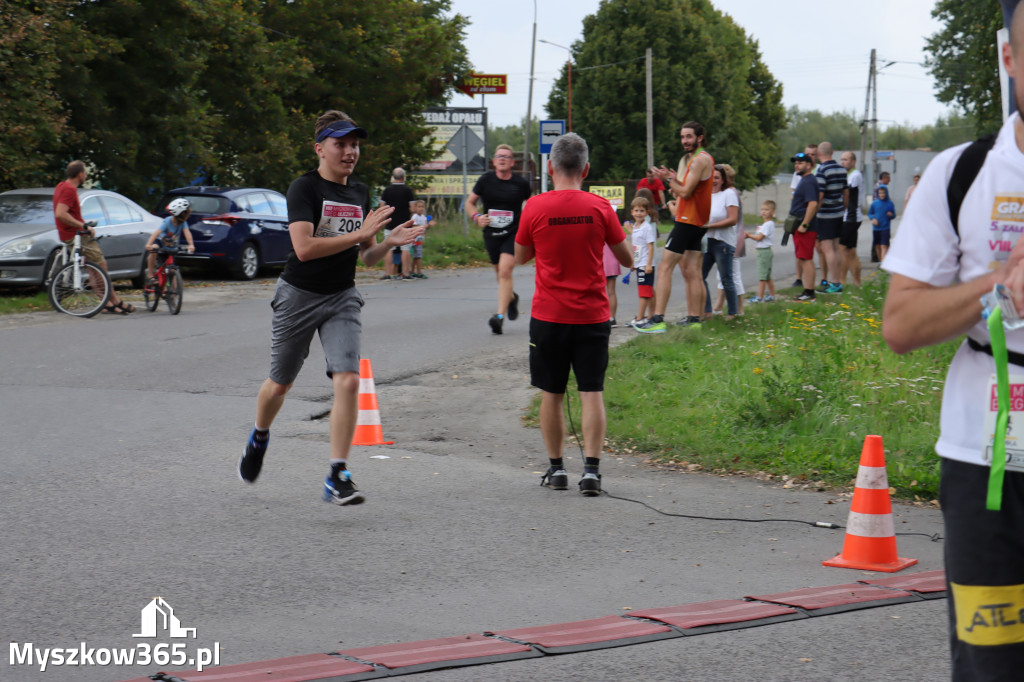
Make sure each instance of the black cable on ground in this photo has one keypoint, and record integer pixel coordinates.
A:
(936, 537)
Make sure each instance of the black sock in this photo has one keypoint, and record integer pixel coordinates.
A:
(591, 465)
(808, 292)
(692, 318)
(337, 468)
(657, 318)
(557, 464)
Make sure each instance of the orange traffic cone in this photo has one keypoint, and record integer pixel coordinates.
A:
(368, 429)
(870, 535)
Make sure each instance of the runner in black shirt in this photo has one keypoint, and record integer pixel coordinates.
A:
(503, 194)
(330, 224)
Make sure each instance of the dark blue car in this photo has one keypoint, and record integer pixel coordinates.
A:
(241, 228)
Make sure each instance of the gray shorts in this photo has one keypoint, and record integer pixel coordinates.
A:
(298, 314)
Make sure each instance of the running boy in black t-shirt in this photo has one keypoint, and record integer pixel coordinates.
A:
(330, 223)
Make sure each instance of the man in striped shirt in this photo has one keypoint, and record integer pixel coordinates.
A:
(832, 198)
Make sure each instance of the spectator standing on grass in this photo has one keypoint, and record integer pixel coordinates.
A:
(811, 151)
(503, 195)
(852, 220)
(67, 213)
(330, 224)
(881, 213)
(399, 196)
(803, 208)
(938, 275)
(721, 233)
(741, 238)
(566, 230)
(691, 184)
(832, 200)
(644, 238)
(764, 236)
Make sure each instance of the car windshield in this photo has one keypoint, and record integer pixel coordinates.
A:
(26, 208)
(205, 204)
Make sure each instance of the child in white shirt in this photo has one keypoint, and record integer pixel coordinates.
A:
(764, 237)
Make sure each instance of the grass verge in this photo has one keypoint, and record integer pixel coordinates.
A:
(790, 389)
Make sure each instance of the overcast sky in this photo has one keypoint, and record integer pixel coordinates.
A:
(823, 67)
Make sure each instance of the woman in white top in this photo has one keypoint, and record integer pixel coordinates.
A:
(721, 226)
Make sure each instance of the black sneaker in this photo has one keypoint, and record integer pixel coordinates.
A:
(556, 479)
(798, 283)
(590, 485)
(252, 458)
(341, 491)
(495, 323)
(513, 307)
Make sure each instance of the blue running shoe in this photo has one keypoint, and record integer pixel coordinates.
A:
(252, 457)
(340, 490)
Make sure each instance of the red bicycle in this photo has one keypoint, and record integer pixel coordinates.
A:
(166, 283)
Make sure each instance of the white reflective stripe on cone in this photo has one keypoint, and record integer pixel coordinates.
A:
(870, 525)
(368, 418)
(872, 478)
(366, 386)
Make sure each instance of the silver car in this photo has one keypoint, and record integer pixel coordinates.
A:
(29, 242)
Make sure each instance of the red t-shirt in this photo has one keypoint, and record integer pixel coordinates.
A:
(656, 187)
(568, 230)
(66, 193)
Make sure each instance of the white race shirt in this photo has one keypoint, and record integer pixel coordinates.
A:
(926, 249)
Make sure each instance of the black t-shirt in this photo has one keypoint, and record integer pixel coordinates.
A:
(333, 209)
(398, 195)
(503, 196)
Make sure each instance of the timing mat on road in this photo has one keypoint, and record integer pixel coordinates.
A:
(636, 627)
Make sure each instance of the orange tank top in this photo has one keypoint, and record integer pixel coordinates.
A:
(697, 209)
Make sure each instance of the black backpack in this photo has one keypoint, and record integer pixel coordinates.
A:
(964, 172)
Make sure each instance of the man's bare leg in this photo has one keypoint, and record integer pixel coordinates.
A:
(695, 293)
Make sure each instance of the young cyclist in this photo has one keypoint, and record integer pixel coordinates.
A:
(330, 224)
(169, 233)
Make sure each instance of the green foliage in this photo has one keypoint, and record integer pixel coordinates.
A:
(513, 135)
(159, 93)
(964, 60)
(790, 389)
(718, 78)
(33, 118)
(841, 128)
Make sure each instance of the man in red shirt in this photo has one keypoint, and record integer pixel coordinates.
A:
(655, 185)
(566, 230)
(67, 212)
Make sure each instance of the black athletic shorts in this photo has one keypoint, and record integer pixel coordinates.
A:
(555, 347)
(848, 235)
(497, 244)
(829, 228)
(685, 237)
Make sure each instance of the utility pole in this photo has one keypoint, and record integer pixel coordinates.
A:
(650, 113)
(874, 123)
(864, 121)
(529, 103)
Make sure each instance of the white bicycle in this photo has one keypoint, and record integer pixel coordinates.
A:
(78, 288)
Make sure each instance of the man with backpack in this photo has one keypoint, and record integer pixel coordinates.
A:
(958, 239)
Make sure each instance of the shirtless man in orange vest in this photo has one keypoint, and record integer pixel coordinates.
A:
(692, 187)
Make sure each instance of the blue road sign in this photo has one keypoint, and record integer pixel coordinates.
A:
(549, 132)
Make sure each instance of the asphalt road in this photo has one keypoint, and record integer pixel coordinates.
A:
(118, 484)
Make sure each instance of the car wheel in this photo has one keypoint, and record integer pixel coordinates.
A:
(139, 280)
(51, 267)
(248, 263)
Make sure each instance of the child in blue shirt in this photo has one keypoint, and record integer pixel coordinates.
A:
(170, 231)
(881, 213)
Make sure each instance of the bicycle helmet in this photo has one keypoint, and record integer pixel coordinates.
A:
(178, 207)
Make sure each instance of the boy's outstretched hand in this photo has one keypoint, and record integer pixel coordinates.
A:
(404, 234)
